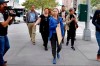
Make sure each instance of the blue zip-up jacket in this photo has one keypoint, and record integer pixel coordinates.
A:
(53, 24)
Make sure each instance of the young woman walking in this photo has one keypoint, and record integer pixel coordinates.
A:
(54, 22)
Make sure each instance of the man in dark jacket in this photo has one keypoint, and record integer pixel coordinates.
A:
(96, 22)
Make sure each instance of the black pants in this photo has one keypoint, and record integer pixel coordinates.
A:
(71, 35)
(44, 38)
(54, 44)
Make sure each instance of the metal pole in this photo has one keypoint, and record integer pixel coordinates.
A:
(87, 32)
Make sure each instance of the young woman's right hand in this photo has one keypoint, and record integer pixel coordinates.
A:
(58, 25)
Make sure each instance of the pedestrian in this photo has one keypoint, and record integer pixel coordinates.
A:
(76, 23)
(71, 21)
(5, 20)
(31, 18)
(63, 14)
(44, 27)
(55, 21)
(96, 22)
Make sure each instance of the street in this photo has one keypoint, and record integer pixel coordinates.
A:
(23, 53)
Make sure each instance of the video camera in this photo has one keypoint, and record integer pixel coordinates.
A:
(8, 9)
(16, 11)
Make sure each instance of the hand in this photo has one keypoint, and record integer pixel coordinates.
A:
(12, 12)
(34, 24)
(9, 18)
(73, 19)
(58, 25)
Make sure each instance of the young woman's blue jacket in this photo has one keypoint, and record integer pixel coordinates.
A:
(53, 24)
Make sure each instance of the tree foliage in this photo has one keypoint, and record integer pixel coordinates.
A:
(95, 2)
(40, 3)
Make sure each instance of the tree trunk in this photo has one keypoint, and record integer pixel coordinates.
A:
(42, 10)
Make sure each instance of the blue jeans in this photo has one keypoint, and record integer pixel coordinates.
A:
(98, 40)
(4, 46)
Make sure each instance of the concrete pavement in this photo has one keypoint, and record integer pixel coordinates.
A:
(23, 53)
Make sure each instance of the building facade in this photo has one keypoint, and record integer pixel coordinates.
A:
(15, 3)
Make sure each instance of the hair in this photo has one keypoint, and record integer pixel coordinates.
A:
(58, 11)
(46, 8)
(71, 9)
(63, 6)
(49, 10)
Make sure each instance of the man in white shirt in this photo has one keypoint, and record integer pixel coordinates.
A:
(63, 14)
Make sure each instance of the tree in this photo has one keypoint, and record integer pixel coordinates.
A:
(40, 4)
(95, 2)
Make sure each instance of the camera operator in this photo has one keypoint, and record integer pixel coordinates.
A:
(5, 20)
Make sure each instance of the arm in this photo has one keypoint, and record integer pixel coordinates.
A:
(6, 23)
(36, 15)
(62, 27)
(11, 20)
(76, 19)
(27, 16)
(38, 21)
(68, 20)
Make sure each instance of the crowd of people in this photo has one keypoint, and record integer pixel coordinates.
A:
(48, 22)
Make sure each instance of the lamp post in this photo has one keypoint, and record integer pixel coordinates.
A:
(87, 31)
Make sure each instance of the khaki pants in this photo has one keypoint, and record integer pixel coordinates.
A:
(32, 31)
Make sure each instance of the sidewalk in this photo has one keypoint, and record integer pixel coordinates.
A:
(23, 53)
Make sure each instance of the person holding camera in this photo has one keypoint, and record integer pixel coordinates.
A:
(71, 25)
(5, 20)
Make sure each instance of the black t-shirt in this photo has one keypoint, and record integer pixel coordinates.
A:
(72, 24)
(96, 20)
(44, 24)
(3, 30)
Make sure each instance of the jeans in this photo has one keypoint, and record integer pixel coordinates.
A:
(54, 44)
(98, 40)
(4, 46)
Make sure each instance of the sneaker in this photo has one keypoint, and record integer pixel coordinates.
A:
(73, 48)
(46, 49)
(43, 45)
(62, 41)
(33, 43)
(98, 57)
(5, 61)
(54, 61)
(4, 64)
(74, 39)
(67, 43)
(58, 55)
